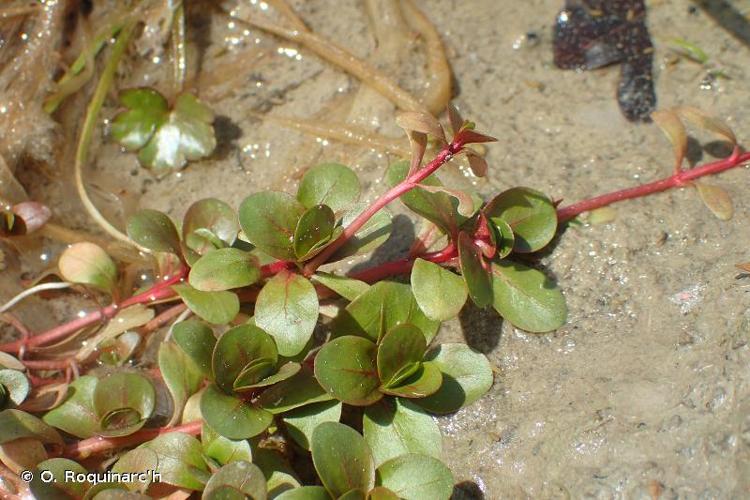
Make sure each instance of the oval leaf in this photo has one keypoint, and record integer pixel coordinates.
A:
(76, 415)
(342, 458)
(402, 346)
(224, 269)
(123, 402)
(439, 293)
(154, 230)
(180, 460)
(345, 367)
(88, 264)
(329, 184)
(716, 199)
(241, 478)
(313, 231)
(301, 422)
(530, 214)
(14, 387)
(181, 376)
(239, 348)
(232, 417)
(300, 390)
(197, 340)
(213, 215)
(218, 308)
(416, 477)
(269, 220)
(422, 382)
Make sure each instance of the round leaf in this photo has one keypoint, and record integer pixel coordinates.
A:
(416, 477)
(88, 264)
(224, 269)
(269, 220)
(123, 402)
(239, 348)
(301, 422)
(14, 387)
(213, 215)
(218, 308)
(342, 458)
(197, 340)
(527, 297)
(467, 375)
(232, 417)
(439, 293)
(345, 367)
(154, 230)
(287, 308)
(329, 184)
(402, 346)
(530, 214)
(242, 478)
(313, 231)
(393, 427)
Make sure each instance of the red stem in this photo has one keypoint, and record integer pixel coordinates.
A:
(97, 445)
(678, 179)
(402, 187)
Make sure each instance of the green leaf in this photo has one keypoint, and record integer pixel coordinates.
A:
(214, 216)
(218, 308)
(422, 382)
(123, 401)
(76, 414)
(527, 297)
(348, 288)
(197, 340)
(180, 460)
(300, 390)
(504, 239)
(14, 387)
(301, 422)
(530, 214)
(374, 233)
(223, 450)
(345, 367)
(416, 477)
(305, 493)
(59, 487)
(477, 278)
(239, 348)
(137, 461)
(401, 348)
(383, 306)
(439, 208)
(232, 417)
(356, 494)
(439, 293)
(16, 424)
(181, 376)
(467, 376)
(154, 230)
(381, 493)
(329, 184)
(287, 308)
(269, 220)
(242, 478)
(394, 427)
(286, 371)
(88, 264)
(279, 474)
(166, 139)
(224, 269)
(313, 231)
(342, 458)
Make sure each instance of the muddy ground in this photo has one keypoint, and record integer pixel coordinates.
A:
(646, 391)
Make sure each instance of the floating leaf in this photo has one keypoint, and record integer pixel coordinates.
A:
(476, 277)
(16, 424)
(287, 308)
(301, 422)
(300, 390)
(88, 264)
(374, 233)
(238, 479)
(180, 460)
(416, 477)
(14, 388)
(345, 367)
(181, 376)
(214, 216)
(704, 120)
(383, 306)
(331, 184)
(166, 139)
(673, 128)
(530, 214)
(349, 288)
(123, 401)
(240, 348)
(60, 486)
(218, 308)
(197, 340)
(399, 354)
(154, 230)
(424, 381)
(716, 199)
(76, 415)
(467, 376)
(232, 417)
(527, 298)
(439, 293)
(342, 458)
(269, 220)
(313, 231)
(224, 269)
(394, 427)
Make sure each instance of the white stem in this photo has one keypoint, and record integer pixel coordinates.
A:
(31, 291)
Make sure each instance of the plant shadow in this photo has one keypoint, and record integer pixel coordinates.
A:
(482, 328)
(467, 490)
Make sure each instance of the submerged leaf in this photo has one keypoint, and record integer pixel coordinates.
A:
(716, 199)
(704, 120)
(88, 264)
(14, 387)
(673, 128)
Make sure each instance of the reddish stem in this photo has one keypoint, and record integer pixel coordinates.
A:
(161, 290)
(404, 266)
(98, 445)
(402, 187)
(678, 179)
